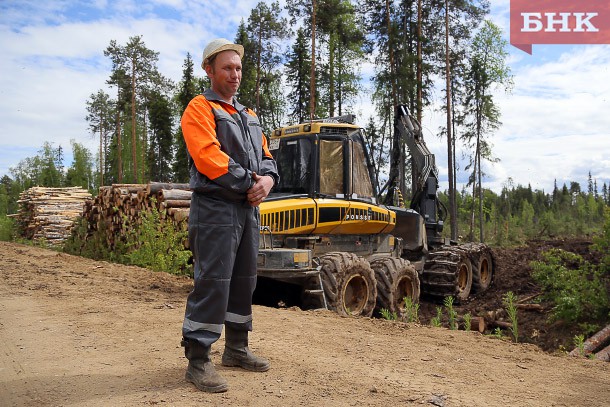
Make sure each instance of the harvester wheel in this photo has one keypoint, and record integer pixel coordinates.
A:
(396, 279)
(483, 271)
(349, 284)
(464, 279)
(448, 272)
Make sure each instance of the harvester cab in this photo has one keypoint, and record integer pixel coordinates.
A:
(323, 159)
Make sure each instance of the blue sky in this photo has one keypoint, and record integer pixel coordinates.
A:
(556, 121)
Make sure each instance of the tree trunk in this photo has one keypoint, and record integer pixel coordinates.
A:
(481, 225)
(119, 146)
(312, 86)
(476, 324)
(604, 354)
(156, 187)
(174, 195)
(258, 69)
(595, 343)
(133, 121)
(331, 75)
(419, 64)
(145, 164)
(391, 54)
(396, 175)
(453, 186)
(340, 83)
(101, 149)
(477, 163)
(474, 196)
(479, 173)
(449, 121)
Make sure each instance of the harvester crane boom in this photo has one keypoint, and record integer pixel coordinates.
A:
(424, 162)
(424, 171)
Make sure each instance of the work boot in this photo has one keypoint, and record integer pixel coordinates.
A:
(201, 370)
(237, 352)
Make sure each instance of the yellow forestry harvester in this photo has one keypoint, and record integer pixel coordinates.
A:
(323, 226)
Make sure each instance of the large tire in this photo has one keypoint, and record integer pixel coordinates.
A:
(448, 272)
(483, 271)
(396, 279)
(349, 284)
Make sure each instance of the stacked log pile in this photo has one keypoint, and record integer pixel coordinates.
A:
(119, 207)
(49, 213)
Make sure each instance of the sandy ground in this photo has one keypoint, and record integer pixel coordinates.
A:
(76, 332)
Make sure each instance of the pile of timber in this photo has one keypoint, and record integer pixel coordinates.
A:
(119, 207)
(49, 213)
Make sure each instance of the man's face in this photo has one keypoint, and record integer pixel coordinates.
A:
(225, 74)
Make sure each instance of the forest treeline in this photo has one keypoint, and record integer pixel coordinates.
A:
(516, 214)
(304, 62)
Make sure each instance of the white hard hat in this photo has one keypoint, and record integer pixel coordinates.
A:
(219, 45)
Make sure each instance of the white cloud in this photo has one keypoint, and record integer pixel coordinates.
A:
(555, 122)
(50, 70)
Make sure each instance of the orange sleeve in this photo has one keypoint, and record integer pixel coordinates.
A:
(199, 131)
(266, 152)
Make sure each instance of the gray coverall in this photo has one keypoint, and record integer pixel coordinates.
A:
(226, 145)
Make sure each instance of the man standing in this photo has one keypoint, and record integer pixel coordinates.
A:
(231, 173)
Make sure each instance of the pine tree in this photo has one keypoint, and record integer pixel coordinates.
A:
(575, 188)
(139, 63)
(266, 29)
(377, 145)
(187, 90)
(100, 111)
(487, 70)
(247, 88)
(341, 39)
(461, 17)
(395, 27)
(161, 139)
(298, 64)
(308, 11)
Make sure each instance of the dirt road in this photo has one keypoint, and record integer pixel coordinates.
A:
(76, 332)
